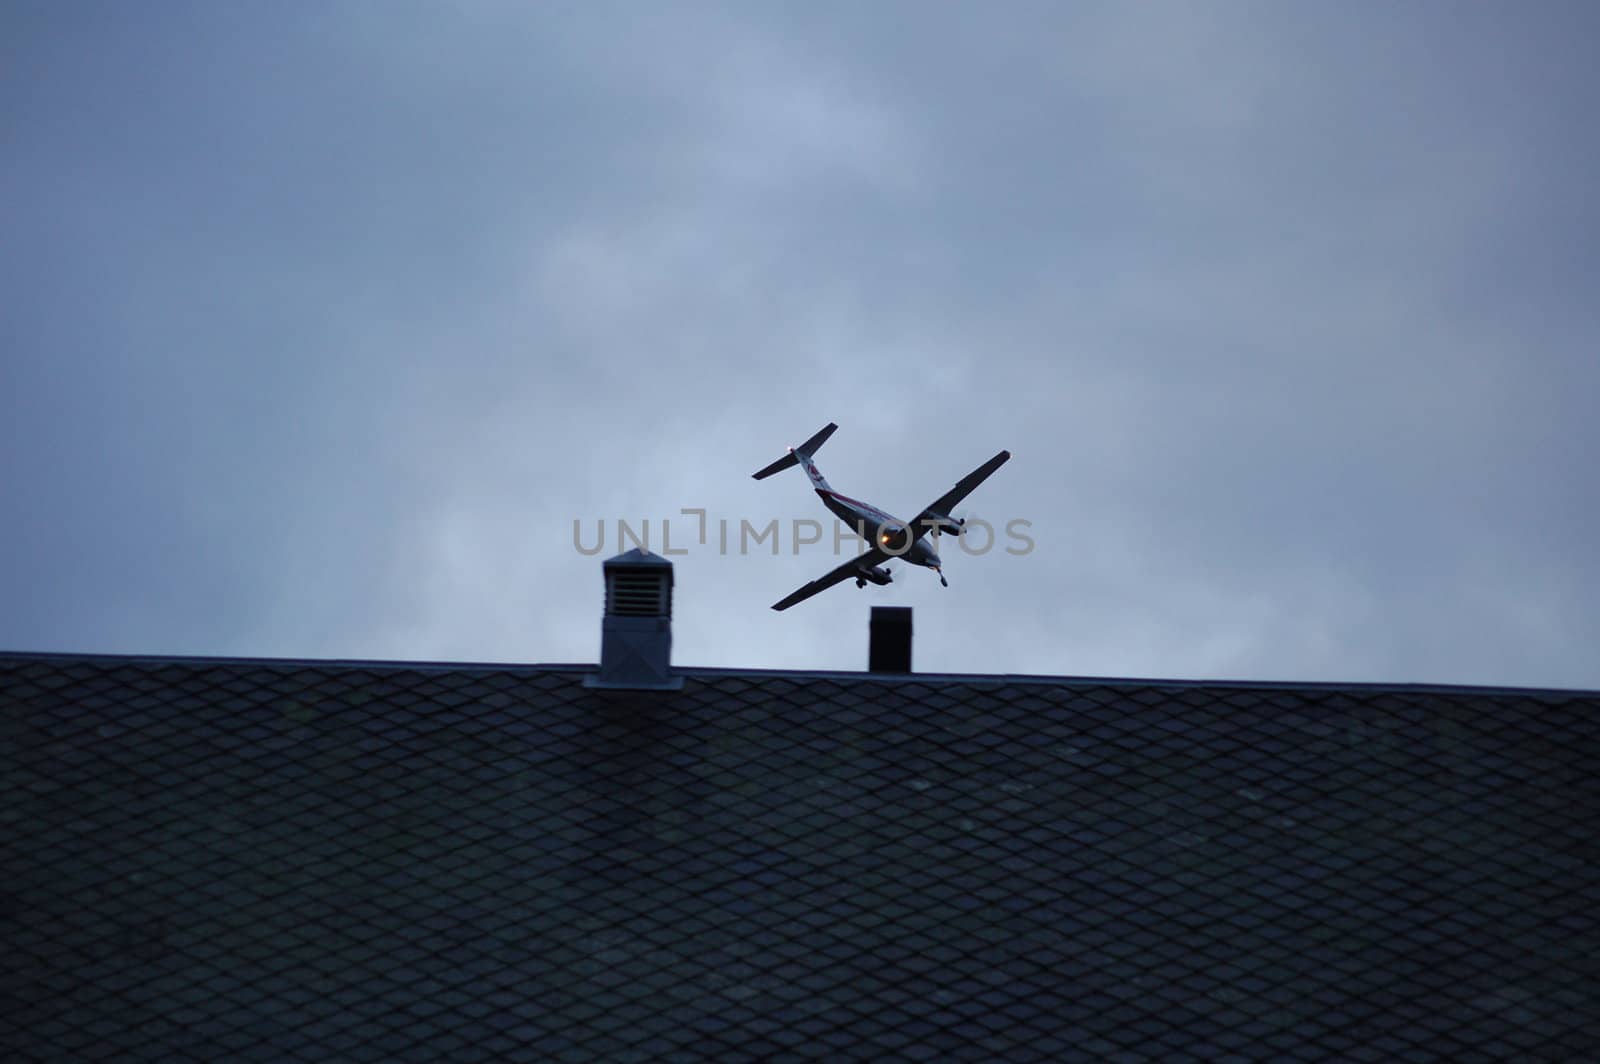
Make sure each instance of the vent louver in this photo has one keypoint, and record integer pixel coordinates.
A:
(638, 593)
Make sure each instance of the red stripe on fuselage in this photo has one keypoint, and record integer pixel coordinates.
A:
(869, 508)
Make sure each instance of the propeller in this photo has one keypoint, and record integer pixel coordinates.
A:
(937, 533)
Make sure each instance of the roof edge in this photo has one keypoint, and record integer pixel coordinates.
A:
(998, 679)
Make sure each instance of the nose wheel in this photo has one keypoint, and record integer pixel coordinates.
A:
(942, 580)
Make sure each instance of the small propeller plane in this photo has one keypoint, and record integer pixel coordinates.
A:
(890, 536)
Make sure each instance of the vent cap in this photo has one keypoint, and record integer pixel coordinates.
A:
(636, 630)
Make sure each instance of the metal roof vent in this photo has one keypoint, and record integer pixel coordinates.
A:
(889, 639)
(636, 631)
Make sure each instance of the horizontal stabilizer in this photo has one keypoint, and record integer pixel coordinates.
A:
(809, 448)
(777, 467)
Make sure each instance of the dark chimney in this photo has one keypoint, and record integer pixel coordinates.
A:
(636, 631)
(890, 639)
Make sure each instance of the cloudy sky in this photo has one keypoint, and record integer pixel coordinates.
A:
(322, 323)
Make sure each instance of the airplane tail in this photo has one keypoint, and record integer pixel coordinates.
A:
(805, 450)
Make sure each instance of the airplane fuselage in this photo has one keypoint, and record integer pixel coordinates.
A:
(878, 527)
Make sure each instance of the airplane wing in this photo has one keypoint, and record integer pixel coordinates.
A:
(822, 583)
(942, 506)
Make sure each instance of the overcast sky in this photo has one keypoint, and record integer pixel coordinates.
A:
(323, 322)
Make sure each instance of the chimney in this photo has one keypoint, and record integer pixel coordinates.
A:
(890, 634)
(636, 631)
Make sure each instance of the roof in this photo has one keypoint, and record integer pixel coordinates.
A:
(208, 859)
(637, 558)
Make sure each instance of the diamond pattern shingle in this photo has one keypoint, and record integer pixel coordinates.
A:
(246, 860)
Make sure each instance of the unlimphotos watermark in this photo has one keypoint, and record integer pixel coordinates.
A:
(975, 536)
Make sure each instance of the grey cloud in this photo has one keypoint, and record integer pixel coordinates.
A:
(327, 326)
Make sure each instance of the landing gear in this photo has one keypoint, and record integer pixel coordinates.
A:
(861, 581)
(942, 580)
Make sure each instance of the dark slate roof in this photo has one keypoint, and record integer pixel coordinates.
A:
(208, 859)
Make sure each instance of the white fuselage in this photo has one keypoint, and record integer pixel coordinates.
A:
(871, 523)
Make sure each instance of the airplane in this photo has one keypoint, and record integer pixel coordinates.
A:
(891, 537)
